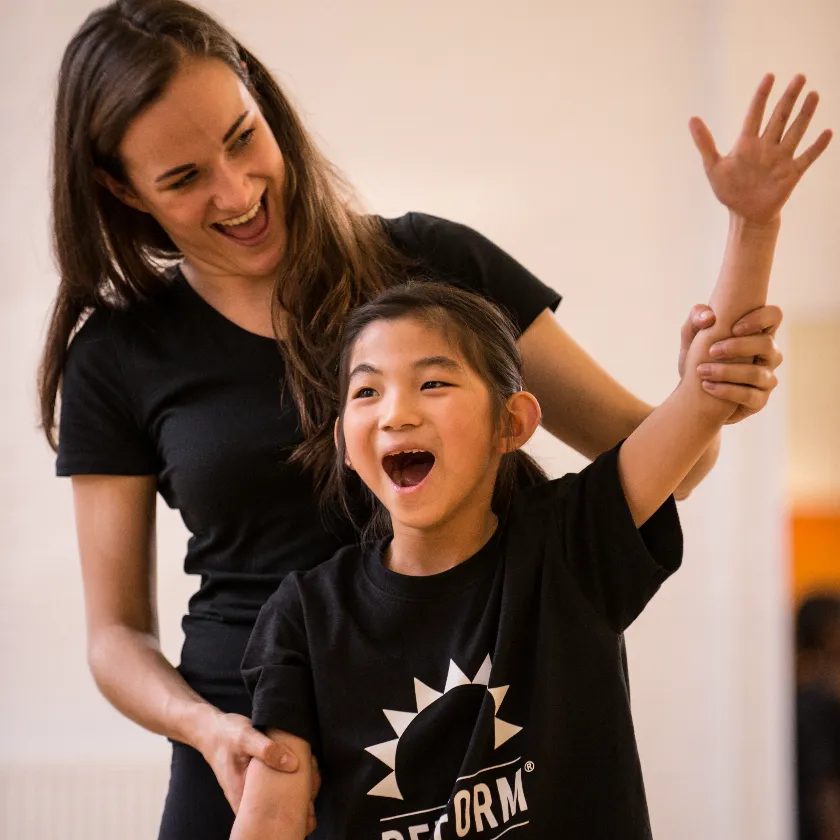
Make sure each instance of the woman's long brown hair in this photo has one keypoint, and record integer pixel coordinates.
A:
(111, 256)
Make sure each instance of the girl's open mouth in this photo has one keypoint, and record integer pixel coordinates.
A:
(409, 468)
(250, 227)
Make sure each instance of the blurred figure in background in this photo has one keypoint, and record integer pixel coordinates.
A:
(818, 717)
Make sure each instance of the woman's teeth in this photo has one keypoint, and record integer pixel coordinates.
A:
(245, 217)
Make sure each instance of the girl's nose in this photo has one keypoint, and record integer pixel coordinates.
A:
(400, 413)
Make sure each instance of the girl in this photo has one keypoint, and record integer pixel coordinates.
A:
(208, 257)
(462, 677)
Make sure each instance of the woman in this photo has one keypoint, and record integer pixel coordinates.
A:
(197, 228)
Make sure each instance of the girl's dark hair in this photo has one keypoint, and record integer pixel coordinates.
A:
(485, 338)
(110, 255)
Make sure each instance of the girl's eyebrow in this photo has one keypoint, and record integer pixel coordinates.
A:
(437, 361)
(426, 361)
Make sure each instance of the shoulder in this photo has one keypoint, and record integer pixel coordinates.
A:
(105, 329)
(423, 236)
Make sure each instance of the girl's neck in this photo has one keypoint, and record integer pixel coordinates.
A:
(421, 552)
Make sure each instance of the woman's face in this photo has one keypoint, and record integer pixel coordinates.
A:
(203, 161)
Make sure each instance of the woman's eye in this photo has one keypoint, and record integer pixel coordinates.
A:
(185, 181)
(433, 384)
(362, 393)
(243, 140)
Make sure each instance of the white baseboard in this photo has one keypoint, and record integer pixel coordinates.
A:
(82, 801)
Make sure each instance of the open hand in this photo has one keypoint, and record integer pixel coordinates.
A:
(757, 177)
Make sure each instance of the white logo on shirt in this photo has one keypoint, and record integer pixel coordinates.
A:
(425, 697)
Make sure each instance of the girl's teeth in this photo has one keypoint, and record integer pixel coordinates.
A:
(246, 217)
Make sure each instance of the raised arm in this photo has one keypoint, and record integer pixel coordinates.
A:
(754, 181)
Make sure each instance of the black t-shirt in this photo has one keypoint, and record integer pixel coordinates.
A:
(172, 388)
(492, 695)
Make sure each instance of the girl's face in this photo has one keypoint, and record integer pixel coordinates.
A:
(203, 161)
(418, 425)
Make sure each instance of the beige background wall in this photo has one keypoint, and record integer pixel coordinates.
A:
(557, 129)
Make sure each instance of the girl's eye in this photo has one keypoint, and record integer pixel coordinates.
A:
(433, 384)
(243, 140)
(362, 393)
(185, 181)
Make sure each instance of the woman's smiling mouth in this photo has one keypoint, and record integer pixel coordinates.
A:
(250, 227)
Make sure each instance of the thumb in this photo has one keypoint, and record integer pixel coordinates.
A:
(280, 758)
(704, 141)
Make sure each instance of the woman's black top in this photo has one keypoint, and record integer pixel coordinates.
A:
(172, 388)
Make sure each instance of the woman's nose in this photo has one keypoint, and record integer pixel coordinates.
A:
(233, 191)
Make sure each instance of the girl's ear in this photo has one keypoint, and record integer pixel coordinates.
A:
(336, 438)
(524, 415)
(121, 191)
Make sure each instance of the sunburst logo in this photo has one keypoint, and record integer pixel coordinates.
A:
(426, 697)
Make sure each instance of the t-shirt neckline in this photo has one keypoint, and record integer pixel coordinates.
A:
(181, 282)
(431, 587)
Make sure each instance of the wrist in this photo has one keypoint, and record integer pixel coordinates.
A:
(742, 226)
(193, 721)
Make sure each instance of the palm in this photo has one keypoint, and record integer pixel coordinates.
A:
(757, 177)
(754, 180)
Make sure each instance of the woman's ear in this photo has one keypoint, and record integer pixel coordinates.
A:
(119, 190)
(336, 438)
(524, 415)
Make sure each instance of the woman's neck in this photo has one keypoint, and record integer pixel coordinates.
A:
(246, 301)
(429, 551)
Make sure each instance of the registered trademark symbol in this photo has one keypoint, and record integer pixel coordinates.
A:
(529, 766)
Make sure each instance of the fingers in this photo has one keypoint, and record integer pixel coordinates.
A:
(704, 141)
(813, 151)
(755, 114)
(761, 347)
(750, 398)
(784, 108)
(753, 376)
(800, 125)
(700, 317)
(765, 319)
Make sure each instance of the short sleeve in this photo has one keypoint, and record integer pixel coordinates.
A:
(618, 566)
(276, 667)
(455, 253)
(99, 431)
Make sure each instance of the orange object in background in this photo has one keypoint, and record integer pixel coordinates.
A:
(815, 537)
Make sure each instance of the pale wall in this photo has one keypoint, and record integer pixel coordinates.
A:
(558, 129)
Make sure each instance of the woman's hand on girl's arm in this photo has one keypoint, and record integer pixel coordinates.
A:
(230, 744)
(744, 367)
(115, 525)
(278, 806)
(586, 408)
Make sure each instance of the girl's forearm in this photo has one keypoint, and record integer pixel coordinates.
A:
(744, 275)
(275, 806)
(133, 674)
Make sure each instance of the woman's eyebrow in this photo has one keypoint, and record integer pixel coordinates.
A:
(229, 133)
(185, 167)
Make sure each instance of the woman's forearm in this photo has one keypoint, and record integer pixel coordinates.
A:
(133, 674)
